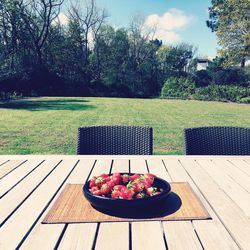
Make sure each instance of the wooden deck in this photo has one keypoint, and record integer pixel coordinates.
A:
(30, 184)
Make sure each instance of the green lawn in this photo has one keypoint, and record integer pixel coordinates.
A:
(49, 125)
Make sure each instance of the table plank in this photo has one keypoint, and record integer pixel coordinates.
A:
(113, 236)
(233, 218)
(15, 197)
(157, 167)
(240, 177)
(16, 176)
(244, 166)
(217, 233)
(181, 235)
(110, 235)
(52, 233)
(147, 235)
(150, 234)
(24, 218)
(78, 237)
(238, 194)
(9, 166)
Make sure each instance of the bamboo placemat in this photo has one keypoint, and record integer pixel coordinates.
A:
(72, 207)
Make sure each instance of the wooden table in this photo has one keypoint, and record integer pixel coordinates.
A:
(30, 184)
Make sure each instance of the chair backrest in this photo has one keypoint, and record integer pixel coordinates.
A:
(217, 141)
(115, 140)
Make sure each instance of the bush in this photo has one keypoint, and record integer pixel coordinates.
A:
(202, 78)
(231, 76)
(245, 100)
(221, 93)
(178, 88)
(7, 96)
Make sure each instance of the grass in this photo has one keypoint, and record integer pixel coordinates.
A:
(49, 125)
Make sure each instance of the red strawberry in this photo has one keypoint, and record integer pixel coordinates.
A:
(151, 190)
(92, 182)
(111, 184)
(148, 182)
(93, 189)
(138, 187)
(125, 178)
(116, 178)
(134, 177)
(119, 187)
(105, 189)
(127, 194)
(116, 194)
(104, 175)
(99, 181)
(149, 175)
(97, 192)
(140, 195)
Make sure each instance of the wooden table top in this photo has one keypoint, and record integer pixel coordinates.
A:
(29, 185)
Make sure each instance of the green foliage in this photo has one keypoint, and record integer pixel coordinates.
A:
(7, 96)
(221, 93)
(174, 59)
(244, 100)
(230, 20)
(178, 88)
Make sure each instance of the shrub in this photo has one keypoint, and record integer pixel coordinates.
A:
(7, 96)
(231, 76)
(178, 88)
(202, 78)
(221, 93)
(245, 100)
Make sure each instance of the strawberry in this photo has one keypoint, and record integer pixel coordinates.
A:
(149, 175)
(104, 175)
(119, 187)
(138, 187)
(151, 190)
(134, 177)
(140, 195)
(116, 178)
(97, 192)
(105, 189)
(115, 194)
(127, 194)
(92, 182)
(93, 189)
(125, 178)
(100, 181)
(148, 182)
(111, 184)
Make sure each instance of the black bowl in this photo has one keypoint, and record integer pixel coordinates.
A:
(121, 205)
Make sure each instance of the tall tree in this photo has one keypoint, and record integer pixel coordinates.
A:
(230, 19)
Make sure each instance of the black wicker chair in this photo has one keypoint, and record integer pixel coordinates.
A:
(115, 140)
(217, 141)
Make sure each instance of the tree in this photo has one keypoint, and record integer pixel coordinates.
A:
(174, 59)
(230, 19)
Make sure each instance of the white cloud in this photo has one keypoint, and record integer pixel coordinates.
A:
(62, 19)
(168, 24)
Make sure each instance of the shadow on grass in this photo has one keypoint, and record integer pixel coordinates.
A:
(44, 105)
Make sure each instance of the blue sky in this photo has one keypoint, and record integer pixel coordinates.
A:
(177, 20)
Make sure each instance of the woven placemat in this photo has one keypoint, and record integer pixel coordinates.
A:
(72, 207)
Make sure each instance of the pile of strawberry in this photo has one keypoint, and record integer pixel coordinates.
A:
(124, 186)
